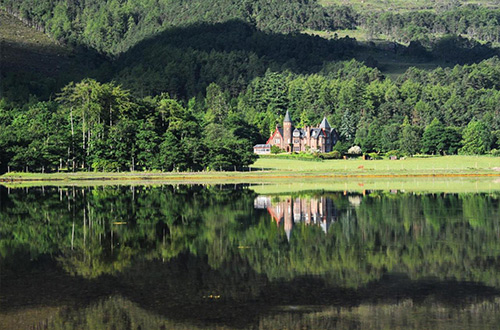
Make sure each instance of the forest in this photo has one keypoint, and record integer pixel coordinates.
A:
(190, 86)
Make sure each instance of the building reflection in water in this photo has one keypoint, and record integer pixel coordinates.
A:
(318, 211)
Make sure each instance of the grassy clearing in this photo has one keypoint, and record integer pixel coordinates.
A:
(389, 63)
(402, 5)
(15, 32)
(446, 165)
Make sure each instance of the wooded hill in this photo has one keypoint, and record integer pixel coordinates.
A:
(234, 69)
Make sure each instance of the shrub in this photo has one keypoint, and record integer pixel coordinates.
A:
(392, 153)
(354, 150)
(374, 155)
(276, 150)
(341, 147)
(495, 152)
(331, 155)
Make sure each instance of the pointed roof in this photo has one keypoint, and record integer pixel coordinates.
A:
(325, 124)
(287, 118)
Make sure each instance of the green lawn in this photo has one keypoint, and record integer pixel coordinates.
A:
(446, 165)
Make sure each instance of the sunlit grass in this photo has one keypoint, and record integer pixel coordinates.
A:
(409, 166)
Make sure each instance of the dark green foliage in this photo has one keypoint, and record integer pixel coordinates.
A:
(440, 140)
(113, 26)
(477, 22)
(101, 127)
(410, 141)
(185, 61)
(476, 139)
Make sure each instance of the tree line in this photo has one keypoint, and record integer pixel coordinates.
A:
(113, 26)
(100, 126)
(475, 22)
(444, 111)
(104, 127)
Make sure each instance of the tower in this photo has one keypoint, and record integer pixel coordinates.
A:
(287, 132)
(327, 130)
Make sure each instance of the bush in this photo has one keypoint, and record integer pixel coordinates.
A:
(495, 152)
(354, 150)
(341, 147)
(276, 150)
(393, 153)
(105, 165)
(374, 156)
(301, 156)
(332, 155)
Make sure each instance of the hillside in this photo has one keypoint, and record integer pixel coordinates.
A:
(113, 26)
(193, 85)
(31, 63)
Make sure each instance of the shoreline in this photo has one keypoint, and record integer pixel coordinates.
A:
(221, 176)
(289, 171)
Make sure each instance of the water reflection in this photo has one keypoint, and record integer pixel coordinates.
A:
(187, 257)
(319, 211)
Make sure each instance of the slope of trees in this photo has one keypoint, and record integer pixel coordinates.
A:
(184, 61)
(104, 127)
(112, 26)
(475, 22)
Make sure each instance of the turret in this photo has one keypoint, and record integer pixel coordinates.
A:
(287, 132)
(325, 125)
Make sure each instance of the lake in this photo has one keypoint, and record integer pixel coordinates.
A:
(238, 257)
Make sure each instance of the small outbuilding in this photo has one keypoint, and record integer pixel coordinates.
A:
(262, 149)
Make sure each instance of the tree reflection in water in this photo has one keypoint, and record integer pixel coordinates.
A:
(194, 256)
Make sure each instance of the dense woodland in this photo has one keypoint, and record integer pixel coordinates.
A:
(176, 85)
(113, 26)
(474, 22)
(103, 127)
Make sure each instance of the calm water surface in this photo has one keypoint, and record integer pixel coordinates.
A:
(224, 257)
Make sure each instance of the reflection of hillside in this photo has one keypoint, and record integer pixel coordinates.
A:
(319, 211)
(147, 306)
(191, 255)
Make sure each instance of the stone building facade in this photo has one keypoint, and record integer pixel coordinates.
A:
(290, 139)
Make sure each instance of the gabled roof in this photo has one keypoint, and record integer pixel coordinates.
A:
(287, 118)
(316, 132)
(324, 124)
(279, 131)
